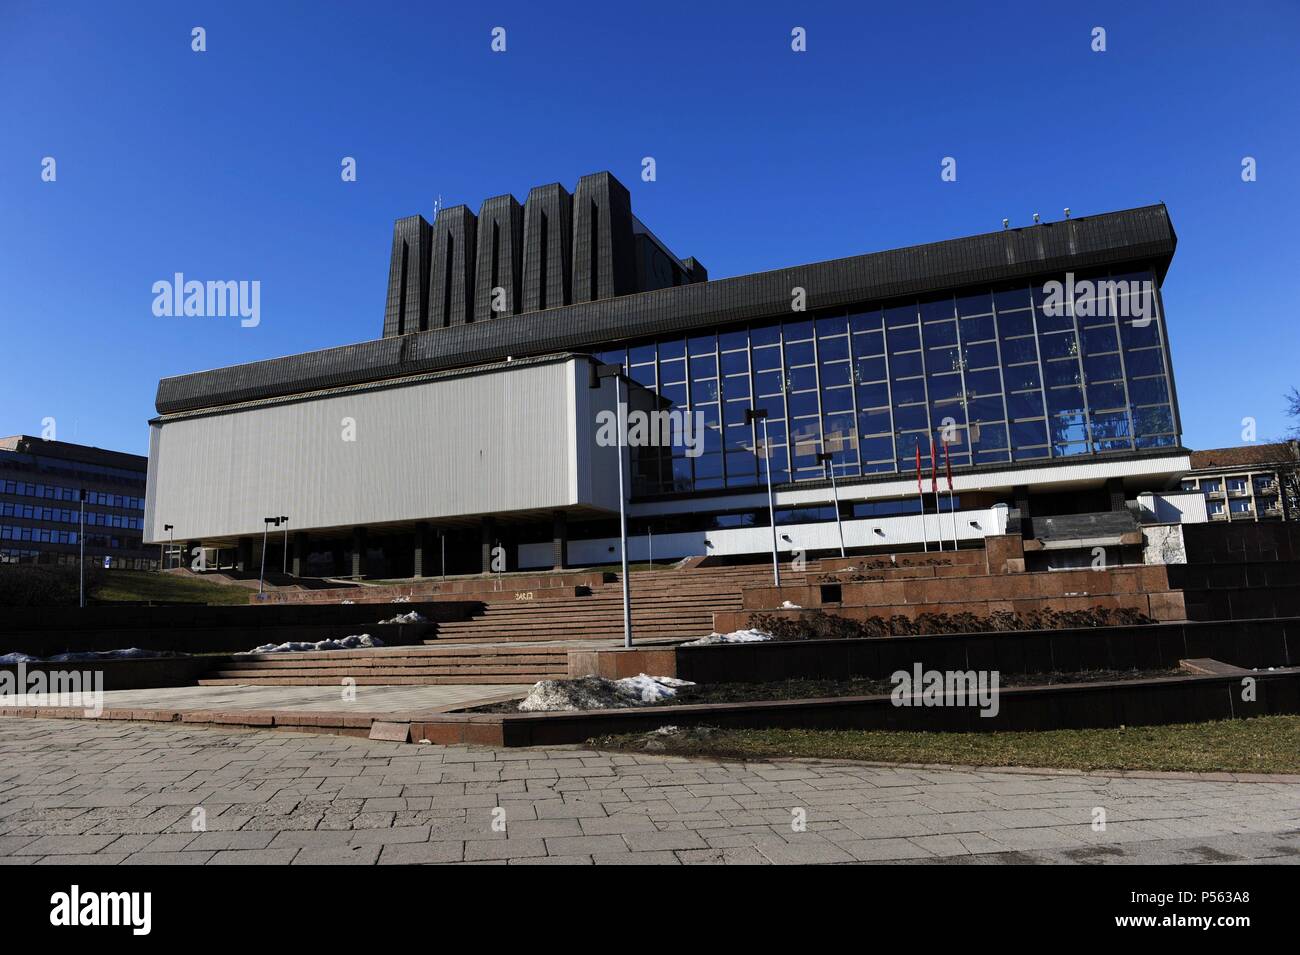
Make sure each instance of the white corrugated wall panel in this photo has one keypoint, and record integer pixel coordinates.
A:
(495, 441)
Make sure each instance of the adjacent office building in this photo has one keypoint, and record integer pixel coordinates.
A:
(1036, 360)
(1250, 483)
(41, 488)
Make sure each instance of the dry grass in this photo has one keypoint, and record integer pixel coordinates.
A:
(1268, 744)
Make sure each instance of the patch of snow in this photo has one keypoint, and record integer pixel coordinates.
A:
(650, 689)
(413, 617)
(401, 600)
(19, 658)
(597, 693)
(132, 653)
(354, 642)
(787, 605)
(736, 636)
(347, 601)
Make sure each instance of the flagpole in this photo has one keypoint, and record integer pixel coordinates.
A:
(952, 511)
(934, 488)
(920, 493)
(938, 516)
(952, 506)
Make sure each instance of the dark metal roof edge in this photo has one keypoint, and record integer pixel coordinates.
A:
(379, 385)
(74, 453)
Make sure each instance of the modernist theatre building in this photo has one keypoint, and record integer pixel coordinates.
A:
(473, 423)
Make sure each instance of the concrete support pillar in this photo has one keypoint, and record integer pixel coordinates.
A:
(298, 554)
(560, 539)
(1115, 491)
(358, 552)
(244, 555)
(425, 551)
(488, 530)
(1021, 496)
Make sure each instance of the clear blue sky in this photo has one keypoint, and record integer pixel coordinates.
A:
(225, 164)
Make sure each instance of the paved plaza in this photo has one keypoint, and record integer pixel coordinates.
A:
(362, 699)
(76, 791)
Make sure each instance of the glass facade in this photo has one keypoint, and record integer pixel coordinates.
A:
(1004, 374)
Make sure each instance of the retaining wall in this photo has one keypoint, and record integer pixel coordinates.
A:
(1093, 705)
(1245, 643)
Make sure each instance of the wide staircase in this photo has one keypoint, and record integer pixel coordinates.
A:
(396, 666)
(666, 605)
(524, 640)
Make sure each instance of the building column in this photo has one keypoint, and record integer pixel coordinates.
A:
(1115, 490)
(560, 539)
(298, 556)
(244, 555)
(424, 560)
(1021, 496)
(487, 528)
(358, 552)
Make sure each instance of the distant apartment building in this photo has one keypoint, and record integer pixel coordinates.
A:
(41, 487)
(1252, 483)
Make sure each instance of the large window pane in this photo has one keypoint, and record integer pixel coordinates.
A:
(874, 422)
(977, 329)
(1103, 368)
(1147, 391)
(906, 366)
(873, 396)
(900, 315)
(871, 369)
(1102, 397)
(1026, 405)
(1017, 350)
(981, 356)
(975, 303)
(1028, 433)
(1147, 361)
(1011, 298)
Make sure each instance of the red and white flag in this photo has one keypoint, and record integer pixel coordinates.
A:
(919, 489)
(947, 465)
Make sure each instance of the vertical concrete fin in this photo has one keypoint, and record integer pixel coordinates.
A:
(603, 253)
(407, 308)
(451, 293)
(548, 247)
(500, 257)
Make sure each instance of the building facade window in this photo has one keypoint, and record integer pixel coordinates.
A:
(997, 374)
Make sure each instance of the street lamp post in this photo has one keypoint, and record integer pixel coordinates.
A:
(825, 458)
(616, 372)
(81, 560)
(751, 415)
(284, 569)
(162, 561)
(266, 526)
